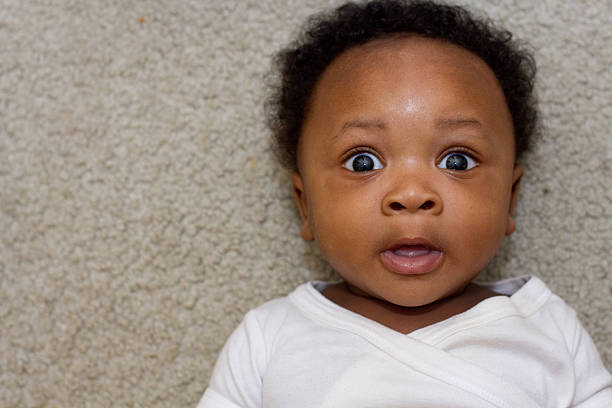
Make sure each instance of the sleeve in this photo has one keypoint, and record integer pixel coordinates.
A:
(593, 381)
(236, 380)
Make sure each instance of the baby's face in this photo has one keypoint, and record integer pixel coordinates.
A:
(406, 169)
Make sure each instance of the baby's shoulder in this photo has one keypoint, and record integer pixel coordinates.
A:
(533, 297)
(278, 314)
(539, 309)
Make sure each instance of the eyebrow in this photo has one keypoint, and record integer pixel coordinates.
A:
(361, 124)
(444, 123)
(457, 122)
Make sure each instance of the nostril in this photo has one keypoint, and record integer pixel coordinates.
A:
(427, 205)
(395, 206)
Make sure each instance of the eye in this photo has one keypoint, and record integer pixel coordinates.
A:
(363, 162)
(457, 161)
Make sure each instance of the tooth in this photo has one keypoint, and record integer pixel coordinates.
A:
(412, 252)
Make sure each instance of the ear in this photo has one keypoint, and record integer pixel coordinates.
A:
(516, 182)
(302, 203)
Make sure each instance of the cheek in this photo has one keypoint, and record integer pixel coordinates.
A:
(482, 219)
(339, 216)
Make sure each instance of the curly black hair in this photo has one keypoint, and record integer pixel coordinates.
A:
(327, 35)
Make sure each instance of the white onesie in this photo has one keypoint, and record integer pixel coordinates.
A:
(525, 349)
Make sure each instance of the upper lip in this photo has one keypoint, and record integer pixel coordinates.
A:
(412, 242)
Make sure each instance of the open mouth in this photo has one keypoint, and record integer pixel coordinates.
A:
(411, 257)
(411, 251)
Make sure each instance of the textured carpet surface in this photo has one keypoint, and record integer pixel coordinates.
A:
(141, 213)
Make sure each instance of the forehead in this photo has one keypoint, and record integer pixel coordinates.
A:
(408, 77)
(405, 56)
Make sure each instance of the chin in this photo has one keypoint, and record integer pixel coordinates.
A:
(412, 301)
(416, 298)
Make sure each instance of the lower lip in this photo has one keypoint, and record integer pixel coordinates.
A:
(417, 264)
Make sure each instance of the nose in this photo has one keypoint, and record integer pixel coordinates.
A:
(411, 194)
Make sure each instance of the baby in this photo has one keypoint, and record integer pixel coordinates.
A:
(403, 124)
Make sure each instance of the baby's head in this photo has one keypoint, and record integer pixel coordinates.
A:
(403, 123)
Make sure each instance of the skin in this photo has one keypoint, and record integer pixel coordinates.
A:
(408, 102)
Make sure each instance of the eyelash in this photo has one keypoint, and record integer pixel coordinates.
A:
(357, 150)
(462, 150)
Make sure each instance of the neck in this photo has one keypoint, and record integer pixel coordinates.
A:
(401, 318)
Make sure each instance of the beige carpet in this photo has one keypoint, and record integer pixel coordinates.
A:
(141, 213)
